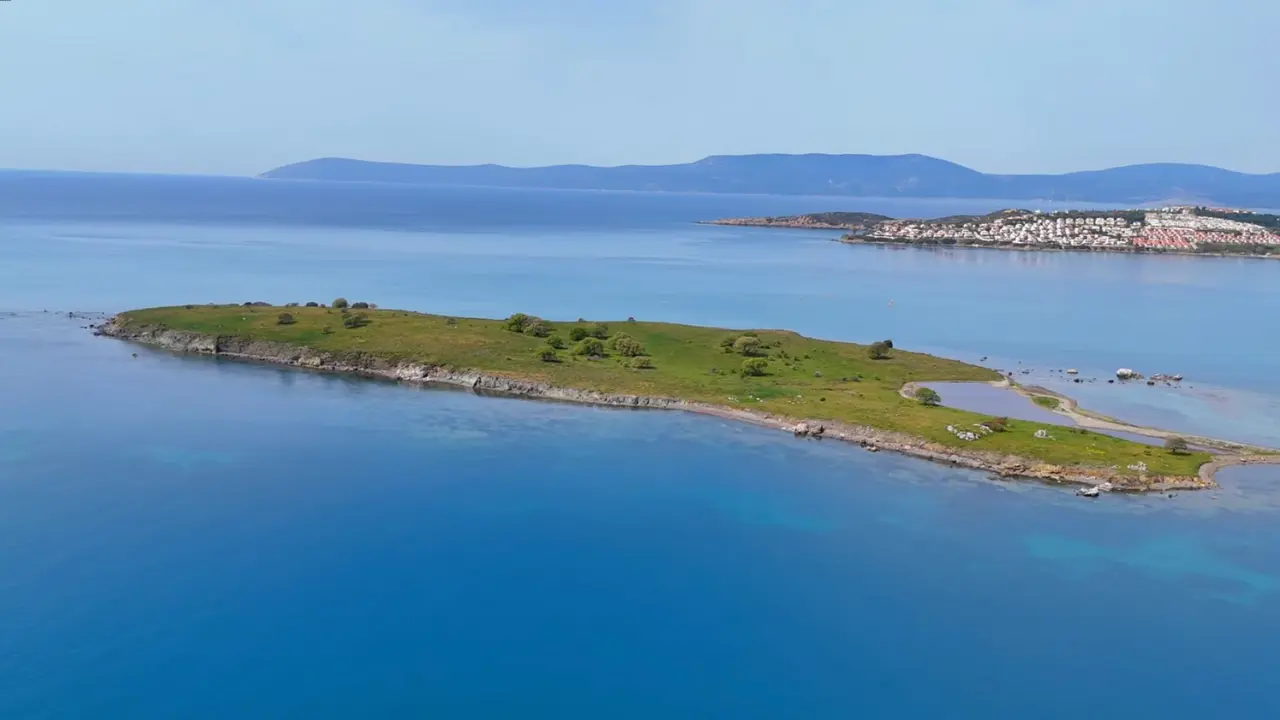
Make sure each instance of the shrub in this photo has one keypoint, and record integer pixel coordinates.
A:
(546, 354)
(340, 303)
(359, 306)
(747, 345)
(599, 330)
(518, 322)
(928, 397)
(641, 363)
(727, 343)
(878, 351)
(590, 347)
(538, 328)
(326, 330)
(887, 343)
(629, 347)
(313, 304)
(613, 340)
(1176, 445)
(999, 424)
(576, 334)
(355, 320)
(755, 367)
(285, 319)
(557, 342)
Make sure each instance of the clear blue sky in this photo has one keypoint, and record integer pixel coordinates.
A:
(240, 86)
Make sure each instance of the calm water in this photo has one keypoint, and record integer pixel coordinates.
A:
(181, 537)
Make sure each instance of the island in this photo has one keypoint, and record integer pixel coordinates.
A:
(865, 394)
(1193, 230)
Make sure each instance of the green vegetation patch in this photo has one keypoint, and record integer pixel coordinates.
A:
(778, 372)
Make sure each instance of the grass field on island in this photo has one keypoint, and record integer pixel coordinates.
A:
(801, 377)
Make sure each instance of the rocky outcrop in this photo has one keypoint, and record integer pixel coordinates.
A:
(872, 439)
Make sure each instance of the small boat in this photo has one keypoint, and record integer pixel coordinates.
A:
(1090, 492)
(1073, 371)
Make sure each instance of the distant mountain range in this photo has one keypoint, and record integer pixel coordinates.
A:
(917, 176)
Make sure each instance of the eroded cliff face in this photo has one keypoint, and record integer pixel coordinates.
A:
(873, 439)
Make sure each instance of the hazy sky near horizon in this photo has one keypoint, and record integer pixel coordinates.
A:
(241, 86)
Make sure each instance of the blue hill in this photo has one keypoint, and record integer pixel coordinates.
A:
(843, 175)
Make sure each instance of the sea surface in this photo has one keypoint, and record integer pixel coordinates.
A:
(190, 538)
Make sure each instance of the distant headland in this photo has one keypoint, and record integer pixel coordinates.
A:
(1189, 229)
(904, 176)
(865, 394)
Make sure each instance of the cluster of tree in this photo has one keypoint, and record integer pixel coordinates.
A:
(747, 344)
(342, 304)
(581, 332)
(589, 340)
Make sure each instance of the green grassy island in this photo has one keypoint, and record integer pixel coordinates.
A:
(773, 377)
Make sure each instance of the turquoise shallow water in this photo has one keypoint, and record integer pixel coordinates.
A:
(182, 537)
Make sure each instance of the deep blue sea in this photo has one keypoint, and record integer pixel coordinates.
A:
(190, 538)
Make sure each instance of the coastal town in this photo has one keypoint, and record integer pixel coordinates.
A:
(1185, 229)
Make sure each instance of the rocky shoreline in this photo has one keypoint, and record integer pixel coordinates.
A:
(872, 439)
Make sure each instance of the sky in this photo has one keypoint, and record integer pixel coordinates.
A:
(241, 86)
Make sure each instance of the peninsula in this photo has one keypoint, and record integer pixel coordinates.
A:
(866, 394)
(1182, 229)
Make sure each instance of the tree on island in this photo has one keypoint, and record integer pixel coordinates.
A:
(755, 367)
(517, 322)
(589, 347)
(928, 397)
(629, 347)
(878, 350)
(340, 303)
(747, 345)
(1177, 445)
(285, 319)
(357, 320)
(546, 354)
